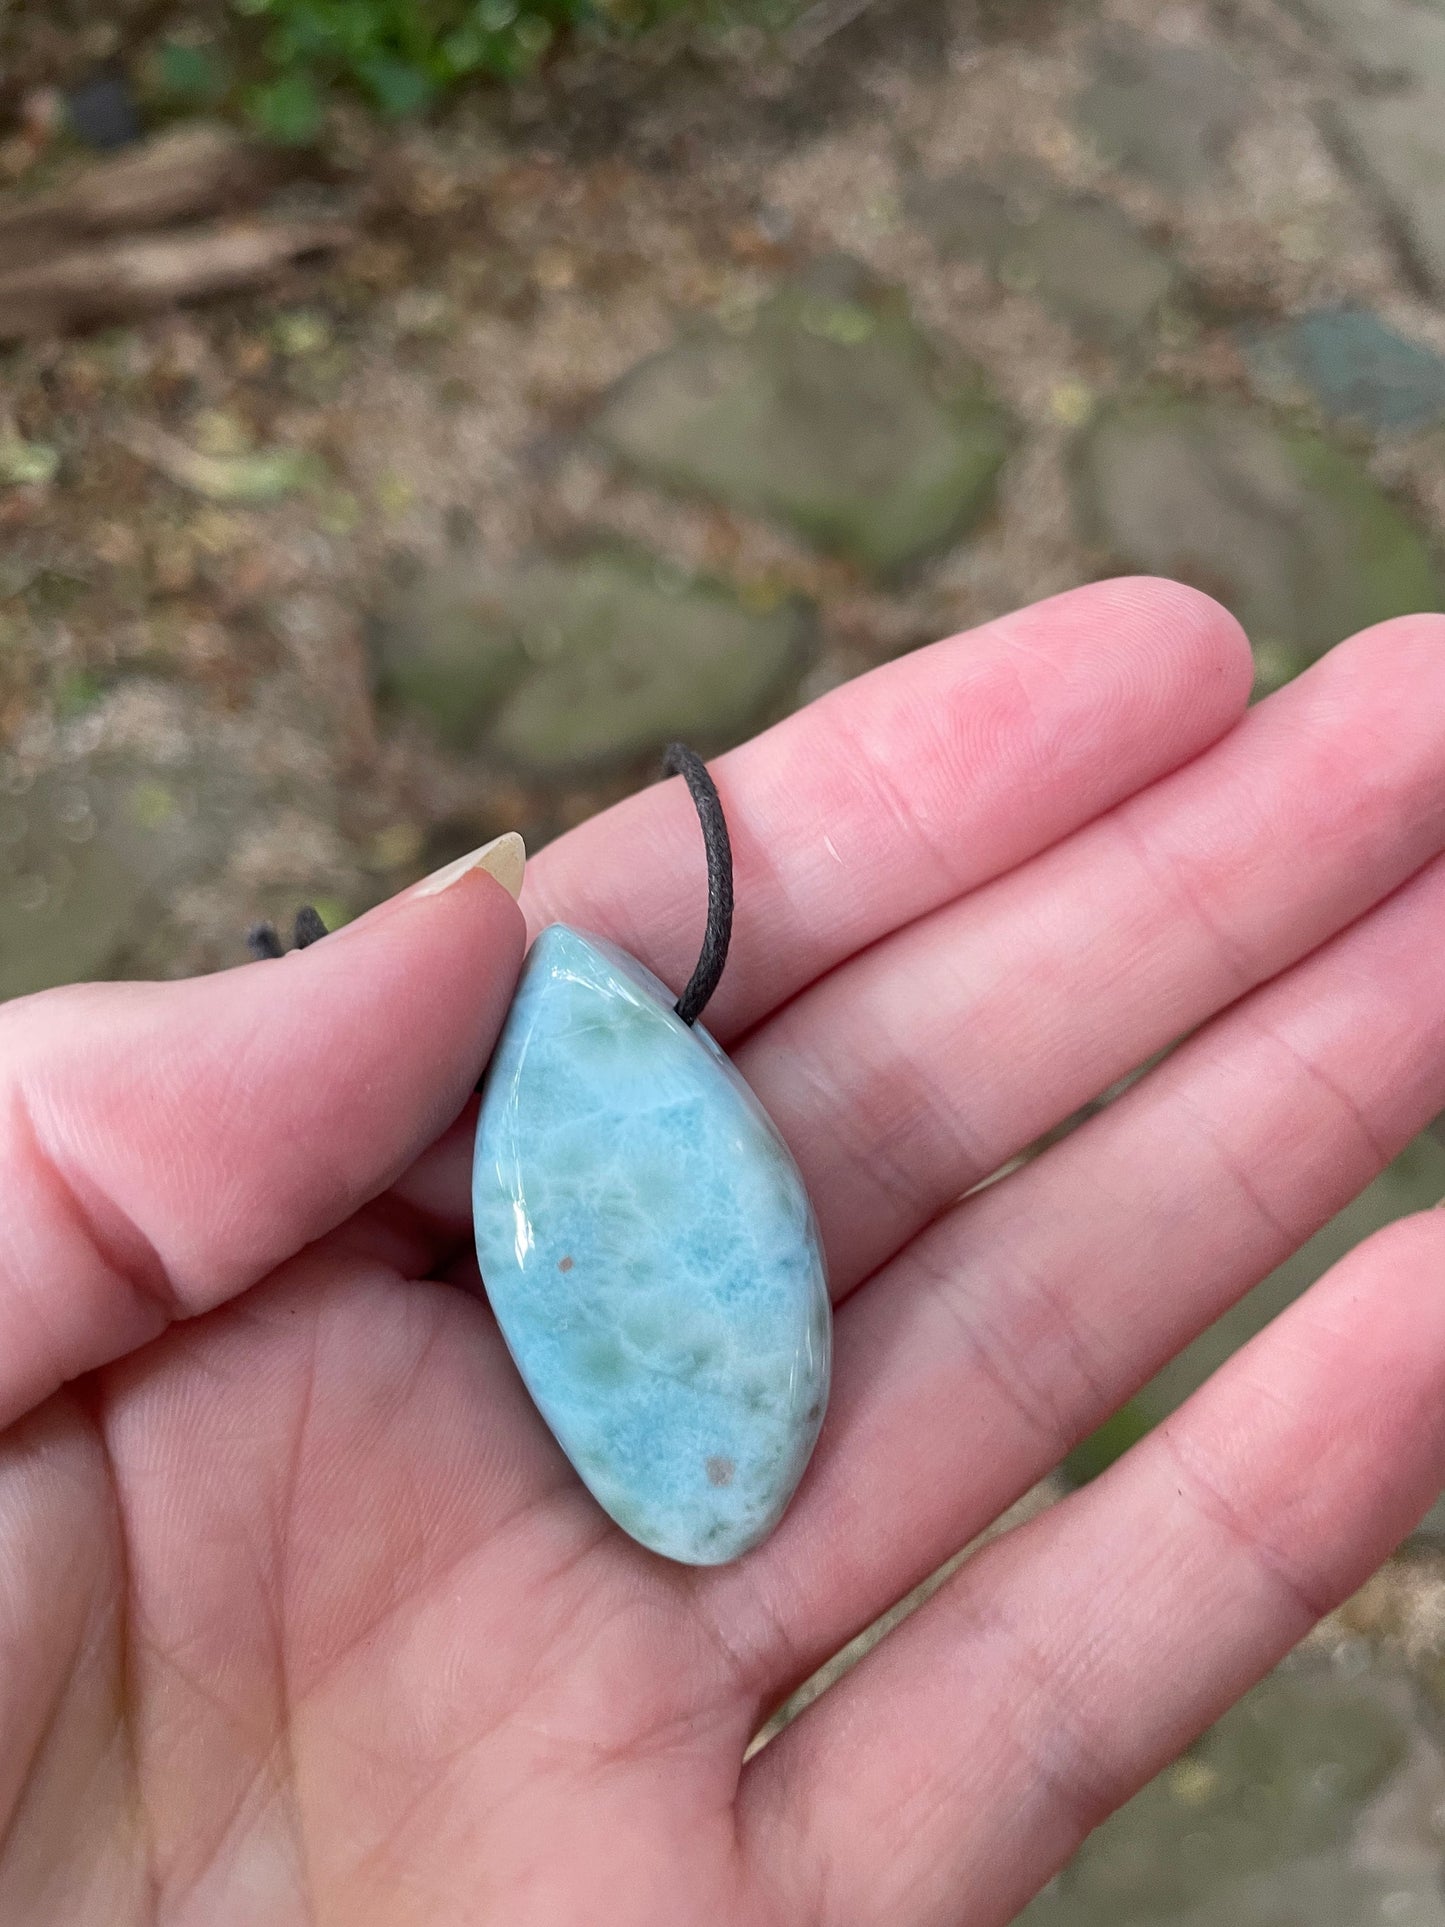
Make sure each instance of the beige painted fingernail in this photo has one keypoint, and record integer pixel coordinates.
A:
(505, 858)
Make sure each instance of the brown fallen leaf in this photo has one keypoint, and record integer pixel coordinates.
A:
(252, 475)
(24, 462)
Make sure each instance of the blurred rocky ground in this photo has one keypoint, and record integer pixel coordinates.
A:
(660, 394)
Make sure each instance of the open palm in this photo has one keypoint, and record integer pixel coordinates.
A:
(304, 1618)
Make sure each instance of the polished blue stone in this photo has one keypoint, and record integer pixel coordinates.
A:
(650, 1253)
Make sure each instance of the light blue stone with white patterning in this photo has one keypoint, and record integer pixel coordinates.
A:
(650, 1253)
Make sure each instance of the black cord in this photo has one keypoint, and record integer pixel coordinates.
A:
(263, 942)
(309, 927)
(686, 763)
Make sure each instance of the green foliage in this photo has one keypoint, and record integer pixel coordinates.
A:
(189, 75)
(287, 109)
(400, 54)
(281, 61)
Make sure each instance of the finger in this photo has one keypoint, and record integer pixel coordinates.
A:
(922, 1065)
(894, 793)
(422, 1225)
(163, 1146)
(1027, 1314)
(907, 787)
(1067, 1663)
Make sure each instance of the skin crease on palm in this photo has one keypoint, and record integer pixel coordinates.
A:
(303, 1617)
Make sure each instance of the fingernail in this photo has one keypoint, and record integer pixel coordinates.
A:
(505, 858)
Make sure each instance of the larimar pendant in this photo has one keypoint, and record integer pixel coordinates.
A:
(650, 1253)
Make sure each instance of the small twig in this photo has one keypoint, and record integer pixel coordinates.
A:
(152, 271)
(190, 172)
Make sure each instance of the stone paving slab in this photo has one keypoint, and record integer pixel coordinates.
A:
(1398, 141)
(827, 410)
(1167, 111)
(89, 856)
(1354, 367)
(1319, 1801)
(1080, 254)
(1390, 42)
(1291, 532)
(561, 664)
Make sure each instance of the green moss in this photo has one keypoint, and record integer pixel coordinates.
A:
(76, 690)
(1288, 529)
(1111, 1441)
(1385, 553)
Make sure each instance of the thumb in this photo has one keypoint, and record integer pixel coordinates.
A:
(163, 1146)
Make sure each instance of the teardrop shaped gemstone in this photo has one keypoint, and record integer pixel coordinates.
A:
(650, 1253)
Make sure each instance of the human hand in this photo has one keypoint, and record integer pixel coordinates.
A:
(304, 1618)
